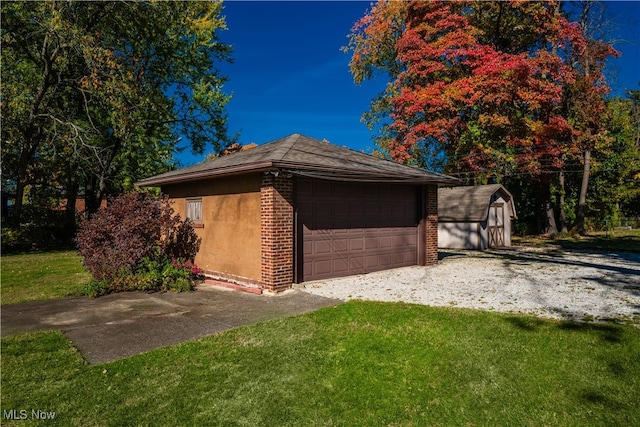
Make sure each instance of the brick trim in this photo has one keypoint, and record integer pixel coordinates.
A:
(431, 257)
(276, 229)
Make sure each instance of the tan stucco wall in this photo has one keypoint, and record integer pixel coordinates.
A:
(231, 217)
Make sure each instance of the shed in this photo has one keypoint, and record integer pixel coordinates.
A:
(298, 209)
(475, 217)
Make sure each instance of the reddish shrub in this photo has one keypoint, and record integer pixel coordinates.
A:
(134, 227)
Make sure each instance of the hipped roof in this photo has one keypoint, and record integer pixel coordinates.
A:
(470, 203)
(304, 156)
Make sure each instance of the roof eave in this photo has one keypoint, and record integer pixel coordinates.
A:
(343, 174)
(327, 172)
(209, 173)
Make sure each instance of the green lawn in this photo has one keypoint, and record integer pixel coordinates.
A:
(357, 364)
(615, 240)
(41, 276)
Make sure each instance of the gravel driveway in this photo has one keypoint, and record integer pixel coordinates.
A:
(545, 282)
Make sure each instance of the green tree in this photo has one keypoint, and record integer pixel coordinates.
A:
(95, 95)
(630, 202)
(585, 96)
(615, 181)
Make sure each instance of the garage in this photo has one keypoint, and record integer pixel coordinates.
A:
(298, 209)
(354, 228)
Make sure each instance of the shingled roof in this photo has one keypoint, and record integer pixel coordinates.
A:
(304, 156)
(470, 203)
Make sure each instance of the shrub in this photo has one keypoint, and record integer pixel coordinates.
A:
(137, 243)
(96, 289)
(40, 228)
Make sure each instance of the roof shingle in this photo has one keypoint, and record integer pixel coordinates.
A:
(470, 203)
(299, 154)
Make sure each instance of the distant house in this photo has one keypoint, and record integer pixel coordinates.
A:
(475, 217)
(298, 209)
(80, 204)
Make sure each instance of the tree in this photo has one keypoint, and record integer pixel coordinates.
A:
(615, 180)
(372, 42)
(586, 95)
(634, 97)
(104, 90)
(479, 86)
(493, 105)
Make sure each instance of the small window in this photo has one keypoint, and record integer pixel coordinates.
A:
(194, 211)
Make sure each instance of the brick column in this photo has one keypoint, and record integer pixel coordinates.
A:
(276, 229)
(432, 225)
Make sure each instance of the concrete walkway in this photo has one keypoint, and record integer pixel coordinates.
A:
(120, 325)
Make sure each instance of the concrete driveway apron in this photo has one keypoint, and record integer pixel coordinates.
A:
(121, 325)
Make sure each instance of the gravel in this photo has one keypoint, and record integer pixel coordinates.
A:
(545, 282)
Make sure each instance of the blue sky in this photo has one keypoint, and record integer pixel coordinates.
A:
(289, 75)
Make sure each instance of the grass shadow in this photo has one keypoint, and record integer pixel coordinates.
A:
(525, 323)
(607, 332)
(595, 397)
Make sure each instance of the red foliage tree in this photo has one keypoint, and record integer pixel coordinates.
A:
(495, 106)
(492, 89)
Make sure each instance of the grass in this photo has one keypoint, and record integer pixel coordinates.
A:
(616, 240)
(58, 274)
(360, 363)
(41, 276)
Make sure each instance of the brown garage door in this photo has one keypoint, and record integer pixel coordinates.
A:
(354, 228)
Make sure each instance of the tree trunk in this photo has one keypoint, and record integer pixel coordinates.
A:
(550, 220)
(93, 195)
(70, 211)
(582, 199)
(28, 151)
(561, 195)
(96, 183)
(17, 207)
(32, 132)
(546, 217)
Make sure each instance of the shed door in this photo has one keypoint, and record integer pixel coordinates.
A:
(496, 225)
(354, 228)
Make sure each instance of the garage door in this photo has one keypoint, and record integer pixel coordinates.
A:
(354, 228)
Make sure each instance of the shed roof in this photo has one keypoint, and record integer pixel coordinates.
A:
(470, 203)
(301, 155)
